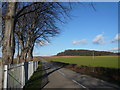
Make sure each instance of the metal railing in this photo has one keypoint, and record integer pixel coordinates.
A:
(16, 75)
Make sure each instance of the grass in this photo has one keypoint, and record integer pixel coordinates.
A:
(35, 80)
(97, 61)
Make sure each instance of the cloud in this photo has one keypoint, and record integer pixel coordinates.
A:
(43, 43)
(114, 49)
(83, 41)
(36, 53)
(116, 38)
(99, 39)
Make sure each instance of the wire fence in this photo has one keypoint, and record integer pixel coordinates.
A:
(16, 75)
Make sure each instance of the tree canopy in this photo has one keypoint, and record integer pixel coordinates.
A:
(27, 23)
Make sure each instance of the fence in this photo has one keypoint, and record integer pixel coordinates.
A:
(16, 75)
(1, 76)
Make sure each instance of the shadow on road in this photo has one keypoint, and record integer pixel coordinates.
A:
(46, 74)
(44, 77)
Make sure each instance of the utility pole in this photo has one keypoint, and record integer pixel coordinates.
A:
(93, 59)
(93, 54)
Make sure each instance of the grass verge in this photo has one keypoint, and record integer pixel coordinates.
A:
(35, 80)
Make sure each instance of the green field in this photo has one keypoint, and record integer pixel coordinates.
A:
(97, 61)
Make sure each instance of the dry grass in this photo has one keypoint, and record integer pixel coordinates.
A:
(37, 58)
(16, 60)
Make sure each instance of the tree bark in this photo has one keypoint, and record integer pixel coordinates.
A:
(8, 48)
(18, 54)
(22, 50)
(30, 53)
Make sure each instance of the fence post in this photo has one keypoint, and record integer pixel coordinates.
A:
(1, 78)
(23, 75)
(5, 76)
(35, 65)
(31, 69)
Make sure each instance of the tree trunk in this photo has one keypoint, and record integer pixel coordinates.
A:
(25, 55)
(8, 40)
(18, 54)
(22, 51)
(30, 53)
(27, 47)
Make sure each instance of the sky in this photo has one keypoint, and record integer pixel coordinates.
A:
(61, 0)
(88, 29)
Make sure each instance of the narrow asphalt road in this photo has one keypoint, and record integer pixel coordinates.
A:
(64, 78)
(57, 78)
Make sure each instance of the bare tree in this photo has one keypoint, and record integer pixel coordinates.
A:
(38, 26)
(0, 17)
(8, 44)
(18, 22)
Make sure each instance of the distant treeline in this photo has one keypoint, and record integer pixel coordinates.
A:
(85, 53)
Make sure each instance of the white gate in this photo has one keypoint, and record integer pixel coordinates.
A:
(16, 75)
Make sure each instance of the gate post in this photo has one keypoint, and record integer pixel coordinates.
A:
(23, 75)
(5, 76)
(1, 76)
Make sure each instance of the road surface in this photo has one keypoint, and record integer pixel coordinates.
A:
(64, 78)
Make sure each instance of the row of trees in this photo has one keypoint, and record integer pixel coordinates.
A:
(85, 53)
(26, 23)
